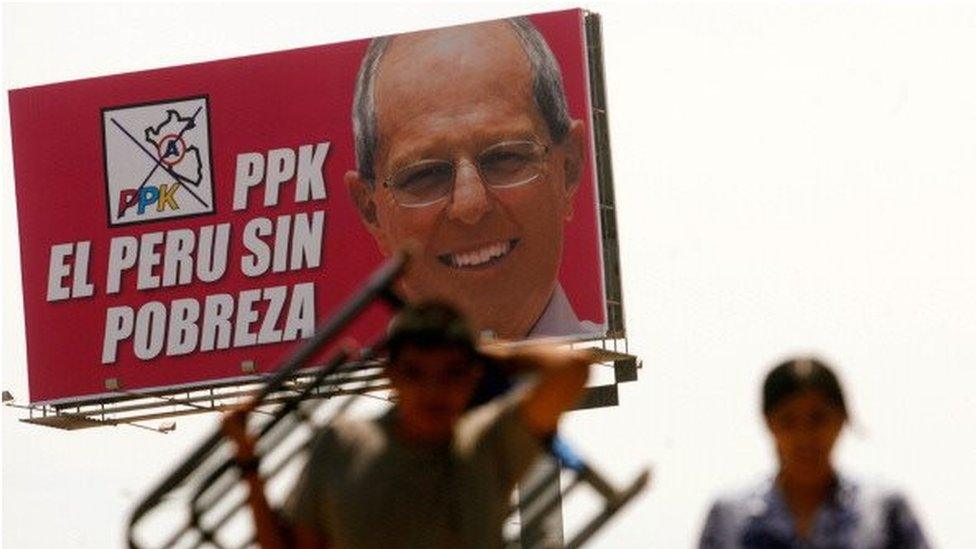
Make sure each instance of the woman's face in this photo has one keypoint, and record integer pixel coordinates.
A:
(805, 427)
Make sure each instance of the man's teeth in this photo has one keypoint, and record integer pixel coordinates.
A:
(482, 255)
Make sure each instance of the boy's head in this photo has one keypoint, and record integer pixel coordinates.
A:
(434, 367)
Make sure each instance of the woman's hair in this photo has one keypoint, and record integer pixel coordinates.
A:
(799, 375)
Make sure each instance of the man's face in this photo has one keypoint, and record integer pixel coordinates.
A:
(493, 252)
(434, 387)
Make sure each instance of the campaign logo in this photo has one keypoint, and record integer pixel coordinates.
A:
(157, 161)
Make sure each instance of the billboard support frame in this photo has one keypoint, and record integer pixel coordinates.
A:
(613, 289)
(126, 407)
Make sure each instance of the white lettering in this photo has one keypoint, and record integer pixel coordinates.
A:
(150, 330)
(183, 331)
(80, 286)
(306, 245)
(148, 259)
(212, 253)
(269, 333)
(282, 226)
(217, 329)
(246, 315)
(122, 256)
(310, 183)
(250, 171)
(281, 168)
(257, 262)
(301, 312)
(178, 264)
(118, 326)
(222, 321)
(56, 271)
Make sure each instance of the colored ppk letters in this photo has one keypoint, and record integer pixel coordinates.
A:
(157, 161)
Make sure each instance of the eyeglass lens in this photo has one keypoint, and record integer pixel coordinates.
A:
(506, 164)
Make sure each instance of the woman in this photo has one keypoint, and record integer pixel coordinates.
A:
(808, 503)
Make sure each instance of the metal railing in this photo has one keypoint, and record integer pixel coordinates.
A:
(207, 486)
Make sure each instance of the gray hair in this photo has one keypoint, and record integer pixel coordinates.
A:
(547, 90)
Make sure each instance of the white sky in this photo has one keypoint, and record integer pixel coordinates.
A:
(789, 176)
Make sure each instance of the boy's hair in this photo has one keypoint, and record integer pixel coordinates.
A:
(427, 325)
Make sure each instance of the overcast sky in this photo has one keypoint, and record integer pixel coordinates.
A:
(790, 177)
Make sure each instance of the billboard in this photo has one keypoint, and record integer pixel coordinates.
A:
(180, 222)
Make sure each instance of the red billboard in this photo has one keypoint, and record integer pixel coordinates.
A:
(176, 223)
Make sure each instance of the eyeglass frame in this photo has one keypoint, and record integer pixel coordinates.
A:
(455, 164)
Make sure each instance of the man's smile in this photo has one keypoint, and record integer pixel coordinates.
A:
(479, 257)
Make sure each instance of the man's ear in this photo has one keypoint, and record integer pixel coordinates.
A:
(361, 192)
(573, 161)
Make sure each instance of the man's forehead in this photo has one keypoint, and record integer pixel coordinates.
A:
(472, 76)
(477, 43)
(442, 59)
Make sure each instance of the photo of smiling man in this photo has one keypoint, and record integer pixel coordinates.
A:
(465, 147)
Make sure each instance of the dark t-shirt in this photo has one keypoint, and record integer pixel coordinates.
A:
(363, 487)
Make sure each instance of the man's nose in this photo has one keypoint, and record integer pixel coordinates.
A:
(470, 200)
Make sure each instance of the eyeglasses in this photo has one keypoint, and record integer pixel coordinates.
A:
(502, 165)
